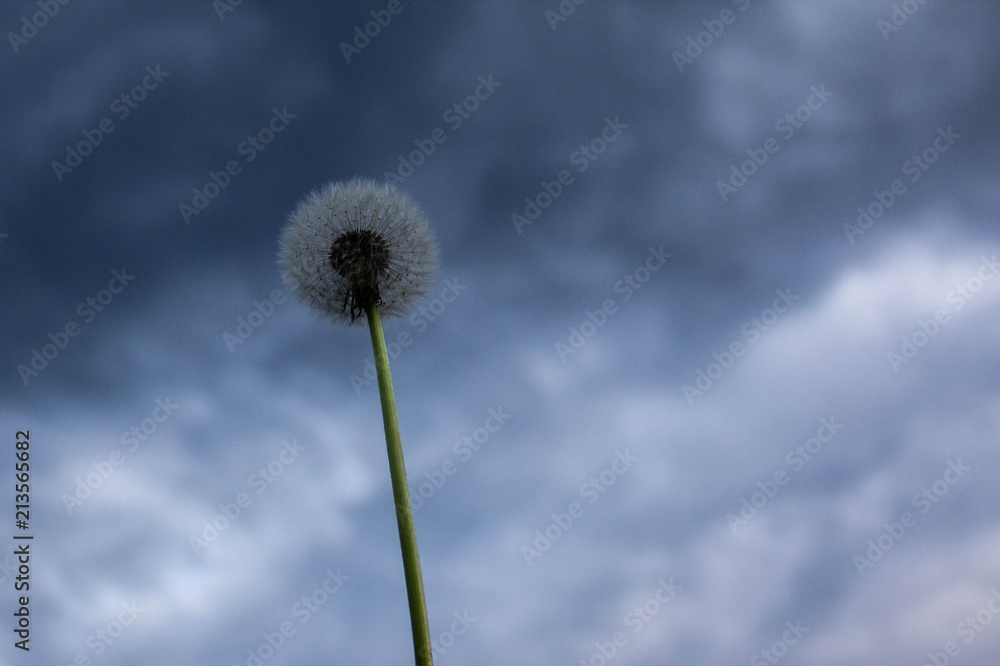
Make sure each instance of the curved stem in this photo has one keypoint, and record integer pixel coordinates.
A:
(401, 495)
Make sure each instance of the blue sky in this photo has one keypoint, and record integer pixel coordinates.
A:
(706, 376)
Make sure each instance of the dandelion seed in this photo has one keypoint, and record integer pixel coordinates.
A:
(357, 242)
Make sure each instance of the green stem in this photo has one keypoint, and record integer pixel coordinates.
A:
(401, 495)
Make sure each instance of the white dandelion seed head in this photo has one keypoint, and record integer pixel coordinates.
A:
(357, 242)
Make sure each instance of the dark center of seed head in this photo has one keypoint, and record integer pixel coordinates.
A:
(360, 256)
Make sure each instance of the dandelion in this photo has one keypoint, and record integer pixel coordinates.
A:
(355, 251)
(354, 243)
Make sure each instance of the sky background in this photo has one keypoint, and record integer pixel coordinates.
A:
(778, 442)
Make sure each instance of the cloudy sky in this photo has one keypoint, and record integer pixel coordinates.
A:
(708, 375)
